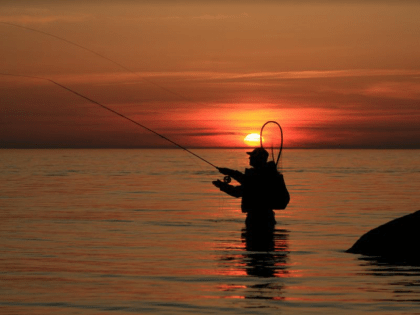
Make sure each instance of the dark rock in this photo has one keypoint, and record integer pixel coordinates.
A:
(396, 241)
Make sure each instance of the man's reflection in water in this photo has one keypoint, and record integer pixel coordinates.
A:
(263, 260)
(266, 252)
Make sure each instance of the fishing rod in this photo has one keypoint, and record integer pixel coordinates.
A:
(135, 73)
(112, 111)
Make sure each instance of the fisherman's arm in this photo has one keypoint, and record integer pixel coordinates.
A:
(234, 191)
(236, 175)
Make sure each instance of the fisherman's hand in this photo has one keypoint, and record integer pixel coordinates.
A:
(224, 171)
(218, 183)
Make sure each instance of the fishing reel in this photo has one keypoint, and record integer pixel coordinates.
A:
(227, 179)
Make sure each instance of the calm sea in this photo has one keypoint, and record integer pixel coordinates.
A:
(145, 232)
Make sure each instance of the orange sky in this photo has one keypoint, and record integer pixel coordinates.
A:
(206, 73)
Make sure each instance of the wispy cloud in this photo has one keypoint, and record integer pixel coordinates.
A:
(183, 17)
(26, 19)
(208, 75)
(320, 74)
(220, 16)
(400, 90)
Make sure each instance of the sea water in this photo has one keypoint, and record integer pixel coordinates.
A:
(145, 232)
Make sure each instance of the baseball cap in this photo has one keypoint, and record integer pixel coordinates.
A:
(258, 152)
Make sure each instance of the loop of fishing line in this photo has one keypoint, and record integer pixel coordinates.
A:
(281, 143)
(226, 179)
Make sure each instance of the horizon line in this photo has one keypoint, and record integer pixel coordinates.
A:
(200, 148)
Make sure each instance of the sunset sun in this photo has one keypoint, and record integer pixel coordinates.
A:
(253, 139)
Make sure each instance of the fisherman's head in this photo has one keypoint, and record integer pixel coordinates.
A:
(258, 157)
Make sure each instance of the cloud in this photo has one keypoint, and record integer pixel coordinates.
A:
(400, 90)
(220, 17)
(25, 19)
(207, 134)
(133, 77)
(319, 74)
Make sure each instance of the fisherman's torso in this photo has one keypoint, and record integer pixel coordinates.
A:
(256, 199)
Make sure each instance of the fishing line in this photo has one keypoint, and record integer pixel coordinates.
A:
(95, 102)
(130, 71)
(281, 143)
(135, 73)
(98, 55)
(112, 111)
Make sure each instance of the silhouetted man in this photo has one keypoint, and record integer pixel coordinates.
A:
(262, 189)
